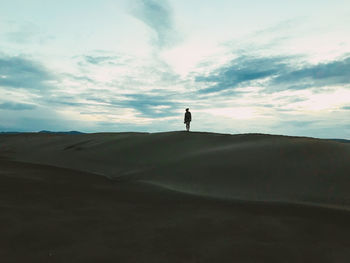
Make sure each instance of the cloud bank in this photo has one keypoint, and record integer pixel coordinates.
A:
(275, 74)
(20, 72)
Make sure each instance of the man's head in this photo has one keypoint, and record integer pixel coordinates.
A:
(187, 109)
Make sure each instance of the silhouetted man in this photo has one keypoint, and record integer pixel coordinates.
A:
(188, 119)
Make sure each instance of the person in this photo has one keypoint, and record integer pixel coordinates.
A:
(188, 119)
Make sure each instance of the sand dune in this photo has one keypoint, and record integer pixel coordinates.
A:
(173, 197)
(252, 167)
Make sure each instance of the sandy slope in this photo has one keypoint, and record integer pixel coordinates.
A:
(50, 214)
(223, 198)
(247, 167)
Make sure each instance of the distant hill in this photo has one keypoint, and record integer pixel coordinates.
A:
(61, 132)
(44, 131)
(341, 140)
(11, 132)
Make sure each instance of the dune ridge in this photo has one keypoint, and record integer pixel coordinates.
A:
(252, 167)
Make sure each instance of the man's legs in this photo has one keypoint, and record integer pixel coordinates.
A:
(187, 126)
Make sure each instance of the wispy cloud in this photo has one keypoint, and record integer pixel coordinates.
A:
(155, 106)
(242, 70)
(16, 106)
(97, 60)
(323, 74)
(79, 78)
(25, 33)
(275, 74)
(146, 105)
(158, 15)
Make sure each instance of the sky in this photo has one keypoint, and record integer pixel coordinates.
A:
(277, 67)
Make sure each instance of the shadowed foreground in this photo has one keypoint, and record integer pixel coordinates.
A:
(173, 197)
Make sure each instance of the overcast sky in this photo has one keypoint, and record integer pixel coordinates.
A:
(280, 67)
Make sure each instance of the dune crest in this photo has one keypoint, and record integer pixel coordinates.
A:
(253, 167)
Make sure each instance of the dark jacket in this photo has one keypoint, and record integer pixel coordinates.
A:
(188, 116)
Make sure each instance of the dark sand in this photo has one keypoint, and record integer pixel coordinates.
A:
(173, 197)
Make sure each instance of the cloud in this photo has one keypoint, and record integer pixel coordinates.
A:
(155, 106)
(147, 105)
(79, 78)
(16, 106)
(158, 15)
(323, 74)
(61, 101)
(25, 33)
(97, 60)
(19, 72)
(242, 70)
(275, 74)
(296, 123)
